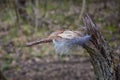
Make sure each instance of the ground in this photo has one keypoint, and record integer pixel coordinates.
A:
(73, 67)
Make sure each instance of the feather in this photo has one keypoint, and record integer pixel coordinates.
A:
(63, 46)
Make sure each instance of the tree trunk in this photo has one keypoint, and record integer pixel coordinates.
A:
(20, 9)
(102, 56)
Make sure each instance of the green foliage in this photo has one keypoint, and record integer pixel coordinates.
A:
(7, 62)
(8, 58)
(5, 67)
(111, 28)
(27, 29)
(13, 33)
(5, 16)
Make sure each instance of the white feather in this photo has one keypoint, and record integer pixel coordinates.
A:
(64, 46)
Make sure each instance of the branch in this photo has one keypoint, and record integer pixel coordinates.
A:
(82, 9)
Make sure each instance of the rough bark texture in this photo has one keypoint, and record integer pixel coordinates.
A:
(102, 57)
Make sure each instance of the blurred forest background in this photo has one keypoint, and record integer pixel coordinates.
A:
(22, 21)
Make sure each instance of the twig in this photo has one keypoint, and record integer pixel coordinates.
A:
(82, 9)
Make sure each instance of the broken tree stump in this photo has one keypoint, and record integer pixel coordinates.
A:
(102, 55)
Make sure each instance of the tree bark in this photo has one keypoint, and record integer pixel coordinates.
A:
(102, 56)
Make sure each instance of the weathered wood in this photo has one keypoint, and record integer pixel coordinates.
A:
(101, 54)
